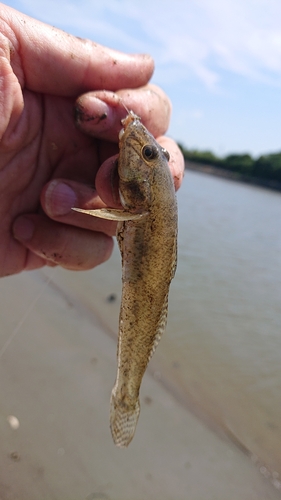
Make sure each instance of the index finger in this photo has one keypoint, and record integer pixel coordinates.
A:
(46, 59)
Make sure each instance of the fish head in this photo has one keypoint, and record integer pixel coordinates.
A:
(139, 158)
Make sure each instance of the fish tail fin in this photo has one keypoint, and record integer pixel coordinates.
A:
(123, 421)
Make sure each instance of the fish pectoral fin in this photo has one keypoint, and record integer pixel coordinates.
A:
(111, 214)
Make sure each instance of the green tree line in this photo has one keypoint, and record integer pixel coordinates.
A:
(266, 167)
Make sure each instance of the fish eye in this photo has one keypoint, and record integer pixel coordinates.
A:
(149, 152)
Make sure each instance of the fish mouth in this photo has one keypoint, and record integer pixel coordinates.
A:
(130, 118)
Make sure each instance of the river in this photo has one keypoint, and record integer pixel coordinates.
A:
(224, 334)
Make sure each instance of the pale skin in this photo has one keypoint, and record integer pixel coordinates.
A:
(51, 158)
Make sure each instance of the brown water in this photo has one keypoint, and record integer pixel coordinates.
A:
(224, 334)
(222, 347)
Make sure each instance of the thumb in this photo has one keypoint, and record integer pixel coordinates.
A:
(55, 62)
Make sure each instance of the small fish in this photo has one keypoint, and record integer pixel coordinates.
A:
(147, 238)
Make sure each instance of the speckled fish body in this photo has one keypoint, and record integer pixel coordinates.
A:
(147, 238)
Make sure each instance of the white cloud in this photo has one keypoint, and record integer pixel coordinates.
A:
(241, 36)
(198, 38)
(226, 46)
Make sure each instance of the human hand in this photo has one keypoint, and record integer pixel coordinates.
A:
(44, 156)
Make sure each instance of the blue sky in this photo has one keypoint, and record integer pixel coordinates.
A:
(218, 60)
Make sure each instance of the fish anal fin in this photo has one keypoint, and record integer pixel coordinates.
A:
(160, 327)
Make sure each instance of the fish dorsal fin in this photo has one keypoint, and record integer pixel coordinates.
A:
(175, 261)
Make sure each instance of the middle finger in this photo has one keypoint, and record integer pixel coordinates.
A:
(99, 113)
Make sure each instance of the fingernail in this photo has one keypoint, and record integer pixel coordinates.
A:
(93, 112)
(23, 229)
(59, 199)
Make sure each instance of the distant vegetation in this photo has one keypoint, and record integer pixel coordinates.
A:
(265, 168)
